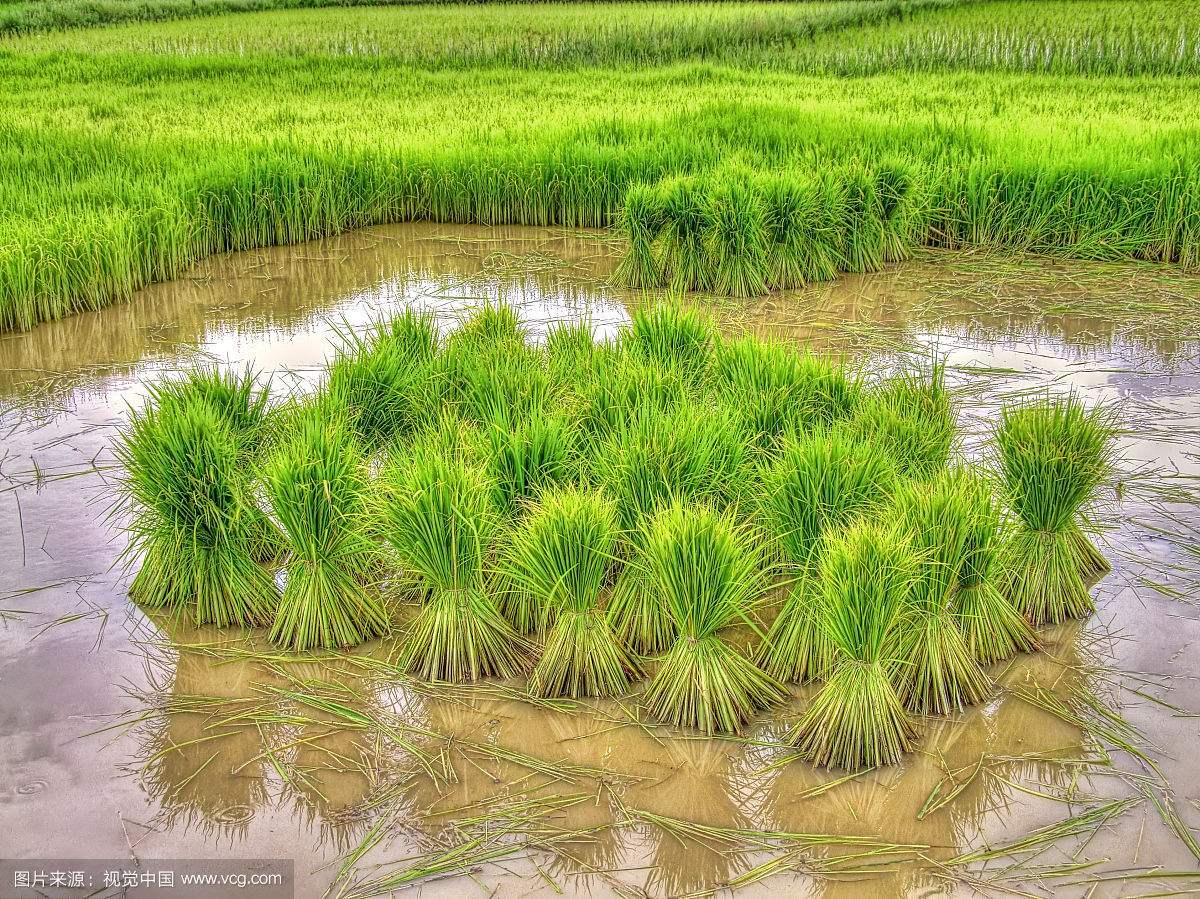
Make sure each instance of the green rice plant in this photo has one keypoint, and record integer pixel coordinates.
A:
(687, 217)
(991, 624)
(817, 486)
(737, 238)
(779, 391)
(615, 386)
(414, 332)
(571, 348)
(940, 674)
(642, 218)
(316, 481)
(1053, 456)
(863, 233)
(636, 615)
(706, 570)
(193, 521)
(895, 190)
(858, 719)
(528, 456)
(911, 417)
(672, 336)
(438, 514)
(801, 235)
(238, 399)
(492, 326)
(561, 557)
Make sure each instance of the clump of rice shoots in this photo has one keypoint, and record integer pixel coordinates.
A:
(238, 399)
(616, 386)
(526, 457)
(193, 522)
(561, 556)
(386, 382)
(706, 570)
(895, 187)
(801, 240)
(819, 484)
(1053, 455)
(571, 348)
(940, 674)
(687, 215)
(438, 514)
(317, 485)
(991, 624)
(642, 218)
(862, 232)
(502, 388)
(858, 720)
(637, 617)
(492, 326)
(672, 336)
(779, 391)
(737, 239)
(912, 418)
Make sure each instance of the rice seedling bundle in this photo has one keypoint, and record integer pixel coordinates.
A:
(687, 216)
(642, 218)
(670, 336)
(737, 239)
(1053, 457)
(800, 218)
(438, 514)
(858, 718)
(819, 484)
(237, 398)
(939, 672)
(193, 519)
(911, 417)
(561, 557)
(316, 482)
(706, 570)
(614, 386)
(529, 455)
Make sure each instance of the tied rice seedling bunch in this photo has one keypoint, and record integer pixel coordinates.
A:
(737, 238)
(940, 674)
(912, 418)
(705, 570)
(642, 218)
(862, 233)
(438, 513)
(528, 456)
(561, 557)
(673, 337)
(1053, 455)
(779, 391)
(801, 235)
(387, 381)
(193, 522)
(615, 386)
(687, 222)
(819, 484)
(316, 481)
(896, 189)
(858, 719)
(990, 623)
(571, 348)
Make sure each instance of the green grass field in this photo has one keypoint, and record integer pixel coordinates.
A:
(129, 150)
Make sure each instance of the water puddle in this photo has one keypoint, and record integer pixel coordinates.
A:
(138, 737)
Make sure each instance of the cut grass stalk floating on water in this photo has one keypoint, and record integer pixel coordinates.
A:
(439, 515)
(561, 556)
(706, 570)
(939, 673)
(858, 719)
(818, 485)
(1053, 456)
(316, 481)
(193, 520)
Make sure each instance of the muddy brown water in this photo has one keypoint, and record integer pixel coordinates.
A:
(132, 737)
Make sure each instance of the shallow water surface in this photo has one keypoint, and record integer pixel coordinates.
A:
(136, 737)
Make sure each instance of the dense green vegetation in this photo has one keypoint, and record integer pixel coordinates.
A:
(126, 158)
(680, 532)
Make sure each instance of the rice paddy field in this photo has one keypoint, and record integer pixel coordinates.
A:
(633, 449)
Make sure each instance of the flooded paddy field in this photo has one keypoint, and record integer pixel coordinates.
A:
(155, 739)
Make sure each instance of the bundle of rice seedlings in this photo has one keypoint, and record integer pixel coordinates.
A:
(192, 519)
(706, 571)
(991, 624)
(386, 382)
(528, 456)
(616, 386)
(780, 391)
(571, 348)
(641, 218)
(861, 247)
(503, 389)
(561, 557)
(737, 239)
(858, 719)
(912, 418)
(895, 188)
(800, 237)
(492, 326)
(672, 336)
(1054, 455)
(940, 674)
(439, 515)
(820, 482)
(687, 216)
(317, 485)
(636, 614)
(238, 399)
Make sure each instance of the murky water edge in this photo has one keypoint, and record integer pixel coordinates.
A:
(227, 749)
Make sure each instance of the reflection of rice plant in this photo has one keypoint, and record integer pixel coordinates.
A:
(439, 515)
(818, 484)
(193, 522)
(317, 485)
(561, 558)
(706, 571)
(858, 719)
(940, 673)
(1053, 456)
